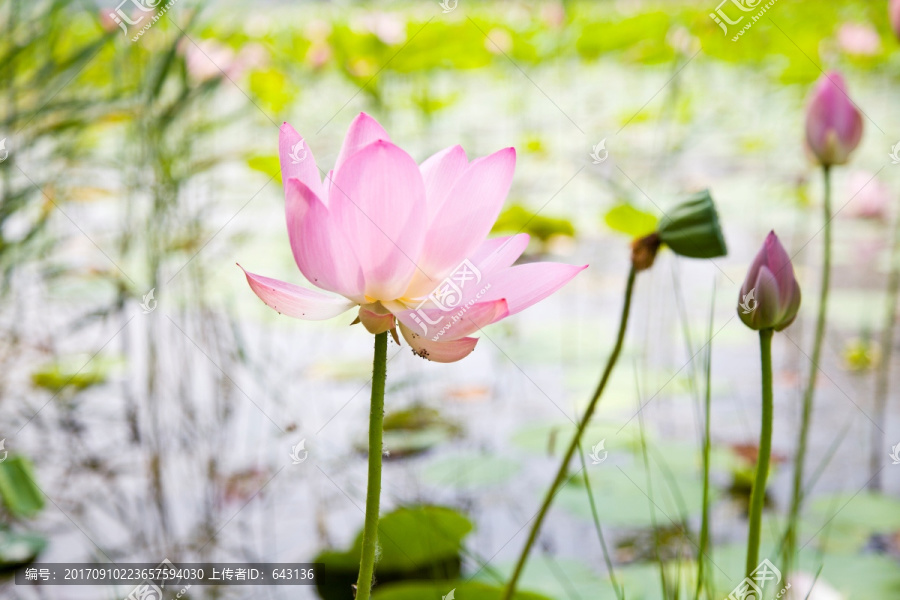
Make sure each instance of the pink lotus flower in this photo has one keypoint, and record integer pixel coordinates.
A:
(404, 242)
(859, 39)
(870, 196)
(833, 123)
(770, 296)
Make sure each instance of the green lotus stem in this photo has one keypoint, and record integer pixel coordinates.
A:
(883, 377)
(373, 491)
(574, 444)
(810, 391)
(596, 517)
(758, 495)
(707, 411)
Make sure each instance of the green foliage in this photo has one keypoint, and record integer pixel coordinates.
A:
(17, 549)
(269, 165)
(273, 89)
(470, 471)
(417, 542)
(641, 38)
(415, 430)
(411, 538)
(631, 221)
(518, 219)
(21, 496)
(72, 374)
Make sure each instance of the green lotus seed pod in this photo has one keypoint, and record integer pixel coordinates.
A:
(692, 228)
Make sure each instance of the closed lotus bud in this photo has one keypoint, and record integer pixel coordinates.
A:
(894, 13)
(770, 296)
(833, 123)
(692, 228)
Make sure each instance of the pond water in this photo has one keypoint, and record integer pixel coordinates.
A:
(185, 449)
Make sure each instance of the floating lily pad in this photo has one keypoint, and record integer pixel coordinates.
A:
(419, 542)
(470, 470)
(857, 577)
(864, 512)
(17, 549)
(623, 497)
(557, 578)
(447, 590)
(414, 430)
(75, 373)
(552, 439)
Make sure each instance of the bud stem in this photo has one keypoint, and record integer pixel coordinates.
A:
(790, 536)
(883, 378)
(373, 491)
(758, 495)
(576, 440)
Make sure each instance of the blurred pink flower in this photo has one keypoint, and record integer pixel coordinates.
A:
(870, 197)
(554, 14)
(404, 242)
(833, 123)
(318, 55)
(209, 58)
(856, 38)
(387, 27)
(108, 20)
(770, 295)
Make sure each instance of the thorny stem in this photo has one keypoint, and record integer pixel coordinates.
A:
(574, 444)
(373, 491)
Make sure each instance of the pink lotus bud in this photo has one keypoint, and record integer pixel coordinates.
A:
(833, 123)
(770, 296)
(894, 14)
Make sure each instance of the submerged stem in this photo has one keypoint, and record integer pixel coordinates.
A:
(809, 392)
(373, 491)
(758, 495)
(574, 444)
